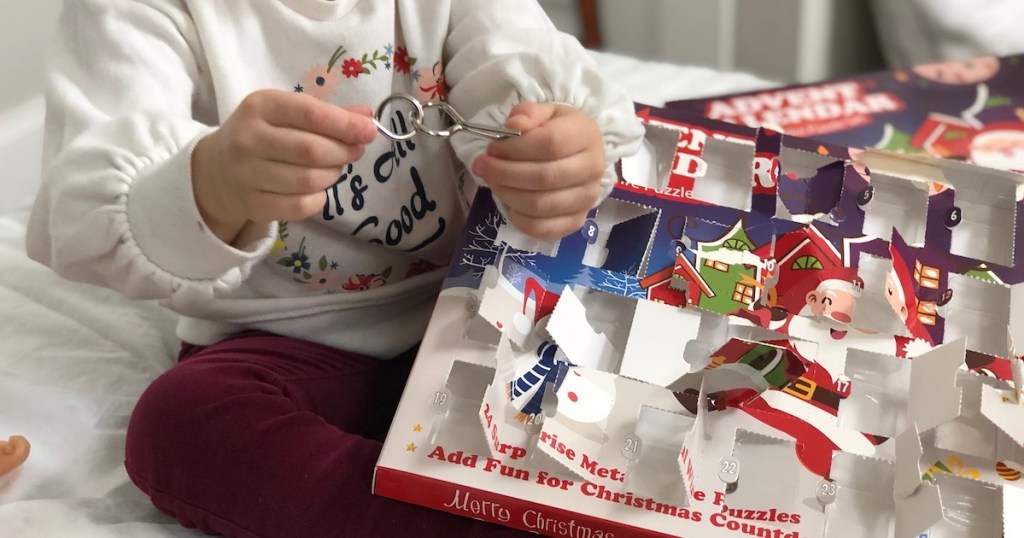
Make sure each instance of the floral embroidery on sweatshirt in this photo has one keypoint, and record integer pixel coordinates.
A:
(420, 267)
(429, 83)
(326, 276)
(317, 272)
(280, 243)
(366, 282)
(297, 262)
(322, 81)
(403, 62)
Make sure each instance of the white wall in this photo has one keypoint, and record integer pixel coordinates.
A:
(786, 40)
(26, 28)
(679, 31)
(565, 15)
(783, 40)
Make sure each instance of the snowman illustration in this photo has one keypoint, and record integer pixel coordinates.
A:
(533, 370)
(585, 396)
(523, 321)
(582, 397)
(525, 392)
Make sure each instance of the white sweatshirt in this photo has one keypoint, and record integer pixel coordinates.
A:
(134, 84)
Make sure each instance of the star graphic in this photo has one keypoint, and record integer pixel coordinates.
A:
(334, 265)
(387, 66)
(417, 428)
(389, 49)
(411, 447)
(299, 88)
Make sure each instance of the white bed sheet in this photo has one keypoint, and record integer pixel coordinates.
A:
(74, 358)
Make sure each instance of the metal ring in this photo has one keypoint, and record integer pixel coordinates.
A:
(416, 117)
(459, 124)
(444, 109)
(418, 124)
(420, 128)
(447, 110)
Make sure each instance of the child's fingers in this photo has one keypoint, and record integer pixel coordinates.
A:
(303, 148)
(303, 112)
(362, 110)
(283, 178)
(268, 207)
(555, 140)
(548, 204)
(539, 176)
(559, 131)
(527, 116)
(549, 228)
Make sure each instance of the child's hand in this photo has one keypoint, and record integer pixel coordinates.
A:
(550, 176)
(274, 158)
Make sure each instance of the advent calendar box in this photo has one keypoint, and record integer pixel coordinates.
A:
(970, 110)
(752, 336)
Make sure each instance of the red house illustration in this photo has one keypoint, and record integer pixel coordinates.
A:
(719, 271)
(803, 256)
(659, 289)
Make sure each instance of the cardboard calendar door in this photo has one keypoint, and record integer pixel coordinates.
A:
(544, 302)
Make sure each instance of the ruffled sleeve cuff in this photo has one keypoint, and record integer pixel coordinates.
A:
(165, 222)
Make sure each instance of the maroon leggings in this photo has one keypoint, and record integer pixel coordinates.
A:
(262, 435)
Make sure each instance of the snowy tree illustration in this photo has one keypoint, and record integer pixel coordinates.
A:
(585, 277)
(619, 284)
(482, 249)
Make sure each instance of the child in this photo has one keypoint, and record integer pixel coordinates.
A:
(221, 157)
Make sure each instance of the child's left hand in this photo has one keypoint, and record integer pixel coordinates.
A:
(550, 176)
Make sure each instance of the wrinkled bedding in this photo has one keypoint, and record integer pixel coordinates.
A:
(73, 361)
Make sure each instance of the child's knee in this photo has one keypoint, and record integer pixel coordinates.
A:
(167, 425)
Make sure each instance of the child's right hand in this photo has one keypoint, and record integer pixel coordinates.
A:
(274, 158)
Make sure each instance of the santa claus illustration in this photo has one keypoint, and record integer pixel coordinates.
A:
(1000, 146)
(835, 296)
(807, 408)
(960, 72)
(974, 134)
